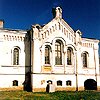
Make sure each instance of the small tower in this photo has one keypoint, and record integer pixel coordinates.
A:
(57, 12)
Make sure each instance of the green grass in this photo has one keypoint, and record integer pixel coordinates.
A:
(23, 95)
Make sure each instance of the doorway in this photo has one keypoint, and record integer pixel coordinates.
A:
(90, 84)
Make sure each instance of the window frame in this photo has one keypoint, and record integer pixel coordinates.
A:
(84, 56)
(58, 52)
(70, 56)
(48, 52)
(68, 83)
(16, 53)
(15, 82)
(59, 83)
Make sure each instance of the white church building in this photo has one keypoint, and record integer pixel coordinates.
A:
(53, 53)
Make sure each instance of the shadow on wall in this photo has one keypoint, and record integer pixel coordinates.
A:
(27, 84)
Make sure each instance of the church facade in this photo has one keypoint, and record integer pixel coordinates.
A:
(53, 53)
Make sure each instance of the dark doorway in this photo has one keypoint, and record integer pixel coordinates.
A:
(90, 84)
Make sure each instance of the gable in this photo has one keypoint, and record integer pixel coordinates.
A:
(57, 28)
(57, 23)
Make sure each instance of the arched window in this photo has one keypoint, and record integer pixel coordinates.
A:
(15, 83)
(47, 54)
(58, 52)
(59, 83)
(16, 56)
(84, 59)
(68, 83)
(69, 56)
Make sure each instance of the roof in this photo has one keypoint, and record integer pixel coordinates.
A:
(13, 30)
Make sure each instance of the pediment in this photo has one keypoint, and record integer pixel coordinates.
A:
(56, 22)
(56, 26)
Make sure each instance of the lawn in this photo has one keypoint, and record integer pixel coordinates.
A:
(23, 95)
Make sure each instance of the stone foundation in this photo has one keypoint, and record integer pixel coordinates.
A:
(56, 89)
(80, 88)
(65, 89)
(11, 88)
(44, 89)
(98, 88)
(39, 90)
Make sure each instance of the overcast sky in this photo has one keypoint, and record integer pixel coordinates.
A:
(79, 14)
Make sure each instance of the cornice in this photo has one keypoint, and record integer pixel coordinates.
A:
(16, 31)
